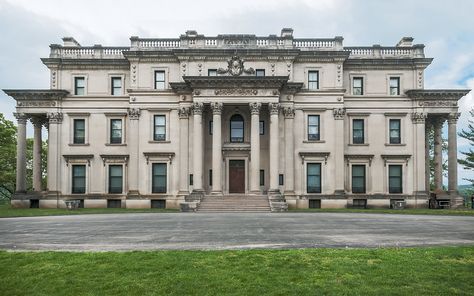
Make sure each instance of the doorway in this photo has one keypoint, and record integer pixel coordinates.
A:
(236, 176)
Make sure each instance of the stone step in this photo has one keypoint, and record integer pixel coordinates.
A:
(234, 203)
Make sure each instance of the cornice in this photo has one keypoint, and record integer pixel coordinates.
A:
(36, 94)
(437, 94)
(203, 82)
(386, 63)
(81, 63)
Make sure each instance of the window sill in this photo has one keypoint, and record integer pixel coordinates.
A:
(365, 144)
(159, 194)
(159, 142)
(314, 141)
(110, 144)
(86, 144)
(396, 145)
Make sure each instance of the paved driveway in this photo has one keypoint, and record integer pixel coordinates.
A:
(232, 231)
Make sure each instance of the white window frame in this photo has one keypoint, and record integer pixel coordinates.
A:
(403, 128)
(400, 79)
(122, 78)
(321, 114)
(72, 117)
(365, 118)
(153, 82)
(73, 83)
(152, 126)
(395, 161)
(109, 117)
(306, 79)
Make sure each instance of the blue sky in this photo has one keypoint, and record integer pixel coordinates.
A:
(27, 27)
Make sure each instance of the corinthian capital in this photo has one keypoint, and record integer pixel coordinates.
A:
(197, 108)
(274, 108)
(55, 117)
(417, 117)
(216, 108)
(183, 112)
(453, 117)
(255, 108)
(21, 117)
(134, 113)
(339, 113)
(289, 112)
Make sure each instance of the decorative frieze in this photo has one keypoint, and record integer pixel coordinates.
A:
(236, 92)
(197, 108)
(134, 113)
(36, 103)
(255, 108)
(289, 112)
(274, 108)
(437, 103)
(216, 108)
(183, 112)
(55, 117)
(339, 113)
(418, 117)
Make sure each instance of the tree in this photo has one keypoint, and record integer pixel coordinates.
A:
(8, 157)
(468, 134)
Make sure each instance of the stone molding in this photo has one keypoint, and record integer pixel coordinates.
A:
(134, 113)
(183, 112)
(235, 67)
(197, 108)
(274, 108)
(289, 112)
(21, 117)
(55, 117)
(339, 113)
(216, 108)
(235, 92)
(255, 108)
(418, 117)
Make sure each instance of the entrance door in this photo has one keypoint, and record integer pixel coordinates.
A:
(236, 176)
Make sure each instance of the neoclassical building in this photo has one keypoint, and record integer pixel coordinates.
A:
(179, 122)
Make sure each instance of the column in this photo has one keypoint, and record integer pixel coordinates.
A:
(452, 154)
(37, 147)
(21, 153)
(197, 147)
(427, 156)
(216, 148)
(289, 113)
(274, 109)
(418, 120)
(339, 114)
(438, 154)
(183, 113)
(54, 134)
(133, 166)
(255, 148)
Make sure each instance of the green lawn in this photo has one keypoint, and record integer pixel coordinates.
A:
(414, 271)
(7, 211)
(457, 212)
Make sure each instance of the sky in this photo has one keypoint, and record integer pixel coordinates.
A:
(27, 27)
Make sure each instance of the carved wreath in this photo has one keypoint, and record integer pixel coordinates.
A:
(235, 67)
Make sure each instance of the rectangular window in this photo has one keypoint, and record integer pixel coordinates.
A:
(280, 180)
(158, 204)
(358, 179)
(314, 203)
(313, 128)
(358, 131)
(395, 131)
(79, 136)
(159, 79)
(159, 130)
(313, 79)
(79, 86)
(116, 131)
(114, 203)
(313, 178)
(262, 178)
(394, 86)
(262, 127)
(116, 86)
(210, 177)
(260, 72)
(78, 179)
(395, 179)
(211, 126)
(211, 72)
(359, 203)
(115, 179)
(191, 180)
(159, 178)
(357, 86)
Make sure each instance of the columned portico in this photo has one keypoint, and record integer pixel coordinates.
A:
(216, 108)
(197, 147)
(452, 154)
(274, 109)
(183, 113)
(438, 153)
(255, 148)
(37, 147)
(21, 153)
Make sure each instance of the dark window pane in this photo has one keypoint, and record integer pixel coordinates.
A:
(260, 72)
(358, 178)
(79, 131)
(394, 86)
(313, 178)
(262, 127)
(116, 131)
(313, 127)
(159, 79)
(212, 72)
(159, 178)
(262, 178)
(357, 86)
(79, 86)
(116, 86)
(115, 178)
(395, 131)
(395, 179)
(358, 131)
(159, 133)
(313, 79)
(78, 179)
(236, 128)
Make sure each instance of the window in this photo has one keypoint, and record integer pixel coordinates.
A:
(262, 127)
(210, 177)
(394, 86)
(280, 180)
(211, 126)
(159, 178)
(358, 131)
(211, 72)
(314, 203)
(359, 203)
(79, 86)
(313, 178)
(158, 204)
(116, 86)
(357, 86)
(236, 128)
(34, 203)
(159, 79)
(79, 136)
(262, 178)
(395, 179)
(114, 203)
(313, 79)
(159, 130)
(358, 179)
(395, 132)
(115, 178)
(313, 128)
(260, 72)
(116, 131)
(78, 179)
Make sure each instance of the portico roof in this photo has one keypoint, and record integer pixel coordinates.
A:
(36, 94)
(436, 94)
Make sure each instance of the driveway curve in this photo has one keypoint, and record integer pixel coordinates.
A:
(206, 231)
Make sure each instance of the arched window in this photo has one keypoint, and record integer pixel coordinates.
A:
(236, 128)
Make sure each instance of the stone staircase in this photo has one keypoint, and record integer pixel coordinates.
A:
(234, 203)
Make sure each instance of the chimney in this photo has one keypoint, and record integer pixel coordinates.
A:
(405, 42)
(287, 33)
(70, 42)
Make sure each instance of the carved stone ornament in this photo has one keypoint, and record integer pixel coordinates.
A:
(36, 103)
(183, 112)
(21, 117)
(274, 108)
(38, 121)
(418, 117)
(289, 112)
(134, 113)
(216, 108)
(438, 103)
(453, 118)
(235, 67)
(235, 92)
(197, 108)
(255, 108)
(55, 117)
(339, 113)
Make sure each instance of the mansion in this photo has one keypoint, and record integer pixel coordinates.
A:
(296, 122)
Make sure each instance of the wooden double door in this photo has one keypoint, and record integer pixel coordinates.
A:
(236, 176)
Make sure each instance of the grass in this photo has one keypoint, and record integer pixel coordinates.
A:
(7, 211)
(450, 212)
(413, 271)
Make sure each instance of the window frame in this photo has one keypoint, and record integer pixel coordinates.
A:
(153, 175)
(156, 81)
(399, 141)
(74, 177)
(318, 190)
(75, 139)
(312, 82)
(361, 79)
(354, 120)
(231, 129)
(76, 87)
(398, 87)
(400, 191)
(261, 127)
(363, 178)
(209, 71)
(110, 178)
(257, 71)
(113, 88)
(308, 125)
(165, 126)
(111, 130)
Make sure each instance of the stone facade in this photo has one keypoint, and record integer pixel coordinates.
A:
(307, 122)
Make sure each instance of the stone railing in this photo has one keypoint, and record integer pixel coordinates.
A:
(91, 52)
(377, 51)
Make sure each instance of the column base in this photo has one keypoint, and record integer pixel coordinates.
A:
(194, 196)
(183, 193)
(457, 201)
